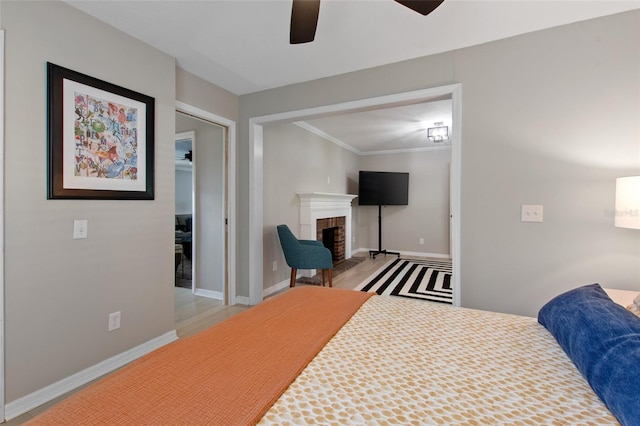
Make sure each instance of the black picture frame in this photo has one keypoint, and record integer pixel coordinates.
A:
(100, 139)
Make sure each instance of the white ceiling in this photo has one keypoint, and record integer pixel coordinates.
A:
(399, 129)
(243, 45)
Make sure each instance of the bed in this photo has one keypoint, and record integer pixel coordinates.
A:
(318, 355)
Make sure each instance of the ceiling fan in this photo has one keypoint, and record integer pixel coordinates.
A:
(188, 156)
(304, 16)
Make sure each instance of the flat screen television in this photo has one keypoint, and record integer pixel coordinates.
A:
(383, 189)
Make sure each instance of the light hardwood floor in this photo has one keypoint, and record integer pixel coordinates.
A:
(194, 314)
(350, 278)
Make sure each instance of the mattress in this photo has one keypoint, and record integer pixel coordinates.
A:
(400, 361)
(315, 355)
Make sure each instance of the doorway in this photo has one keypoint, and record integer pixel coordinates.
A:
(185, 199)
(205, 210)
(256, 124)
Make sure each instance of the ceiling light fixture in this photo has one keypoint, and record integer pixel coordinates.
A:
(438, 134)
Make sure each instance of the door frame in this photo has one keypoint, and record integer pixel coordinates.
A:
(2, 389)
(256, 127)
(229, 173)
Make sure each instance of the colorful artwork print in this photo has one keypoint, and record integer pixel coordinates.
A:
(106, 138)
(100, 139)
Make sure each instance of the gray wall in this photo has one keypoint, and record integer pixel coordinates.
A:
(184, 188)
(297, 161)
(56, 312)
(549, 117)
(198, 93)
(59, 291)
(426, 216)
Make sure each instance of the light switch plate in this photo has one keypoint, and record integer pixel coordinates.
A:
(531, 213)
(80, 229)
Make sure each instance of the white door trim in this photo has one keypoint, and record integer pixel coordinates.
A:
(230, 176)
(2, 393)
(256, 167)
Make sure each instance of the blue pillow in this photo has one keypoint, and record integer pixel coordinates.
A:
(602, 339)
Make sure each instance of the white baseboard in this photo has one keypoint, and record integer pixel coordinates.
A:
(275, 288)
(421, 254)
(218, 295)
(48, 393)
(242, 300)
(409, 253)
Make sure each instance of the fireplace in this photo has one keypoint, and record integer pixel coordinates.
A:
(319, 210)
(331, 231)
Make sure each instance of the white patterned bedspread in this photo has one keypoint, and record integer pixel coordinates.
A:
(401, 361)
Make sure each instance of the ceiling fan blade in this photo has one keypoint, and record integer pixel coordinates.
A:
(423, 7)
(304, 19)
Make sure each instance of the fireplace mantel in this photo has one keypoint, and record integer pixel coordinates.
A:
(326, 197)
(321, 205)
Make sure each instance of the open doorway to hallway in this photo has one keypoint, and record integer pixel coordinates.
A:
(200, 215)
(184, 202)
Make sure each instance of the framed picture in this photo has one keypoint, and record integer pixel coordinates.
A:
(100, 139)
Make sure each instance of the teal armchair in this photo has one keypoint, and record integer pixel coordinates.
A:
(304, 254)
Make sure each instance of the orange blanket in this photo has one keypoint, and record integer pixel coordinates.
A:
(229, 374)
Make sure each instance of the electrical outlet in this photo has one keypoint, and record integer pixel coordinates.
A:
(114, 321)
(275, 265)
(531, 213)
(421, 241)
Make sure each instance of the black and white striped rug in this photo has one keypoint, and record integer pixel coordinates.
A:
(414, 278)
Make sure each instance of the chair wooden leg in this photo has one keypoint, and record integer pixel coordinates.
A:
(330, 277)
(323, 278)
(292, 281)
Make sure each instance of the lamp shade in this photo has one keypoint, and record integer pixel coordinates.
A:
(627, 213)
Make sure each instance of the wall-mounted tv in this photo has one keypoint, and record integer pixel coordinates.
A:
(383, 189)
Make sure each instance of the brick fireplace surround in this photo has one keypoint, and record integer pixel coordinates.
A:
(335, 228)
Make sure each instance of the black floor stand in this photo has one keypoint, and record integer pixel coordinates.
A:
(374, 253)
